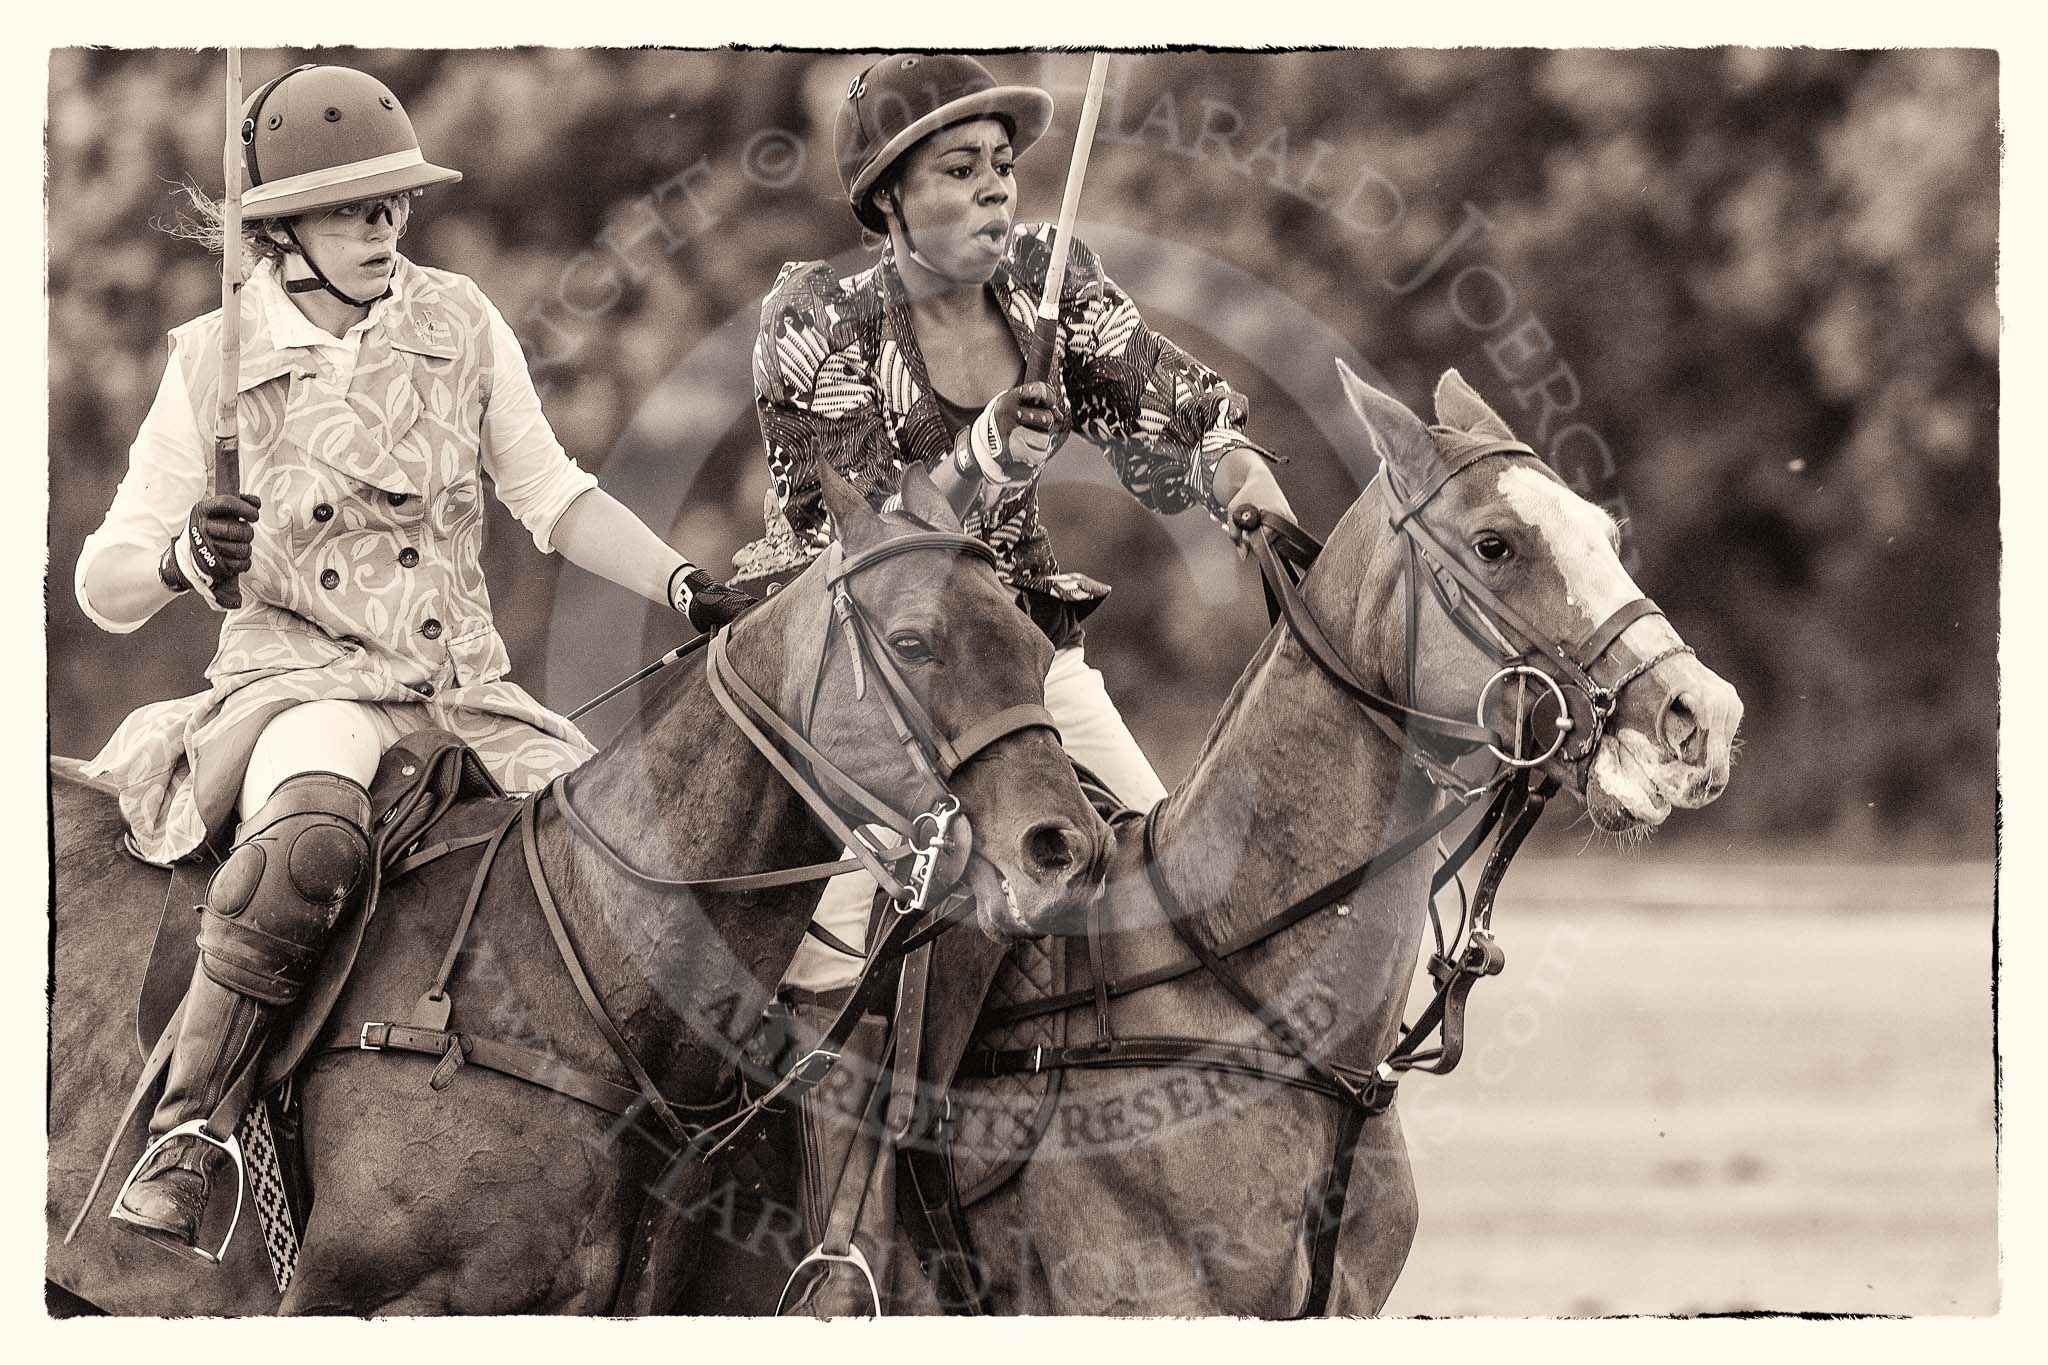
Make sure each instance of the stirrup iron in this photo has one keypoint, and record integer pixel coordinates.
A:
(819, 1256)
(233, 1147)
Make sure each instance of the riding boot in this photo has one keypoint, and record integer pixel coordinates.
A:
(268, 913)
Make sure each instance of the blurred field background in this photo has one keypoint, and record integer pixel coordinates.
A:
(1770, 275)
(1717, 1087)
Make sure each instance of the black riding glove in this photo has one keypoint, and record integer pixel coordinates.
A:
(707, 602)
(214, 549)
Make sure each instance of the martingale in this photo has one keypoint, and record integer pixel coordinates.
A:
(1515, 797)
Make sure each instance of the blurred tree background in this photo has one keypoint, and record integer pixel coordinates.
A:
(1744, 295)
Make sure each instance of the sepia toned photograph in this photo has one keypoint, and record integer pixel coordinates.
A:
(1030, 681)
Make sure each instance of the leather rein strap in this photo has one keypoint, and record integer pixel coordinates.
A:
(1517, 801)
(427, 1033)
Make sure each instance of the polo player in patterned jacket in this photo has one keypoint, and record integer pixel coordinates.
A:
(919, 360)
(374, 394)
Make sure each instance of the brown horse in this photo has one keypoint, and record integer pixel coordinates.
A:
(1194, 1190)
(493, 1195)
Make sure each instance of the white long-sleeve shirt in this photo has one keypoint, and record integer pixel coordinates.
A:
(169, 462)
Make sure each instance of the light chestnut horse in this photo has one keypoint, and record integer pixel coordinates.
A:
(493, 1195)
(1208, 1212)
(1159, 1190)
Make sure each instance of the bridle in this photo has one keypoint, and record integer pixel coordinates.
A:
(1565, 671)
(840, 802)
(1516, 793)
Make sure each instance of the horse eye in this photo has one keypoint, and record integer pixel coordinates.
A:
(1491, 548)
(910, 648)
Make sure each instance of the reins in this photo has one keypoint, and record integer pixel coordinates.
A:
(799, 763)
(1515, 798)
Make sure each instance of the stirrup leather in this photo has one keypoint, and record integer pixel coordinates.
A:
(196, 1128)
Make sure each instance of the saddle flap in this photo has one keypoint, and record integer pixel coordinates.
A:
(417, 780)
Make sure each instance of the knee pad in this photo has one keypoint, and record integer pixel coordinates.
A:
(271, 906)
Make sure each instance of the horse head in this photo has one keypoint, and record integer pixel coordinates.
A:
(1521, 569)
(940, 627)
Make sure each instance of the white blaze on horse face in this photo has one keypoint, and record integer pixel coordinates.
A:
(1630, 768)
(1576, 534)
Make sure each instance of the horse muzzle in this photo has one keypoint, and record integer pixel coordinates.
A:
(1061, 865)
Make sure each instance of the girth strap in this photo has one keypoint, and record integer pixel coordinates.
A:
(526, 1064)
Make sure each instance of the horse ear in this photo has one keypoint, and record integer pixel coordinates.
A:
(858, 525)
(1459, 405)
(1398, 436)
(923, 500)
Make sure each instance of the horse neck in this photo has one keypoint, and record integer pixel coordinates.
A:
(1294, 787)
(682, 794)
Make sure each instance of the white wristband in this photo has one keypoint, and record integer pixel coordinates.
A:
(987, 444)
(189, 567)
(679, 595)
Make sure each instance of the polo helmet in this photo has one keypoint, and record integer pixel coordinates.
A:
(897, 102)
(321, 136)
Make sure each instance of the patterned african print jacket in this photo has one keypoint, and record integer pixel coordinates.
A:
(838, 377)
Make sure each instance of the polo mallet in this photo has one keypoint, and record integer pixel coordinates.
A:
(1038, 364)
(227, 426)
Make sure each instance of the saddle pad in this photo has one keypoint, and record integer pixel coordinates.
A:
(998, 1121)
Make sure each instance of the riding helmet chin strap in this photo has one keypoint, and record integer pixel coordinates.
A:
(909, 242)
(318, 279)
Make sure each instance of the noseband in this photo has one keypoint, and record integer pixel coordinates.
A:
(1515, 801)
(1525, 654)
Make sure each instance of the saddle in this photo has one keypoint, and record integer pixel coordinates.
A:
(418, 781)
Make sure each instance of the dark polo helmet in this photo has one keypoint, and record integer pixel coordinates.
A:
(320, 136)
(903, 99)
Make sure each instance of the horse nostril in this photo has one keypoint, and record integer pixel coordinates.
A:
(1054, 847)
(1682, 733)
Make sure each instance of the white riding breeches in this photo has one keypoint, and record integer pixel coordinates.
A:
(1094, 736)
(345, 737)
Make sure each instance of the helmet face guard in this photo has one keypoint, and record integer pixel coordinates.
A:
(901, 100)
